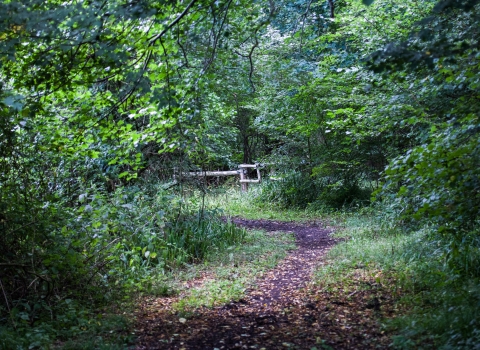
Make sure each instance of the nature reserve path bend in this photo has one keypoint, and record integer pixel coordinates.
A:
(294, 271)
(276, 314)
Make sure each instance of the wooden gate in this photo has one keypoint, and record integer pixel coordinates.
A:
(242, 172)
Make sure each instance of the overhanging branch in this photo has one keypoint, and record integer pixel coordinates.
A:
(153, 39)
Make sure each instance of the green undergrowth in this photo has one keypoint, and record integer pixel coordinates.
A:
(229, 272)
(250, 205)
(325, 186)
(75, 328)
(434, 280)
(106, 250)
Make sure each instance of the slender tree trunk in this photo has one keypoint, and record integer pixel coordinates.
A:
(332, 8)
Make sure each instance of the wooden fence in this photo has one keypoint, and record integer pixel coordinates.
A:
(242, 172)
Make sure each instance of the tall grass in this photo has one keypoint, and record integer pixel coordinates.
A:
(251, 205)
(193, 235)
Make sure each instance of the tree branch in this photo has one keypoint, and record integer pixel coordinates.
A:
(153, 39)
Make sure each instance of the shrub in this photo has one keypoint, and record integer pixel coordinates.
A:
(300, 190)
(105, 248)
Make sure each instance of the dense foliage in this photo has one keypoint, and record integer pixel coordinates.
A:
(101, 102)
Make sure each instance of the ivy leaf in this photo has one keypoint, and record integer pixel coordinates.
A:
(367, 2)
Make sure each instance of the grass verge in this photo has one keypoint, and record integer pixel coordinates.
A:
(225, 275)
(437, 302)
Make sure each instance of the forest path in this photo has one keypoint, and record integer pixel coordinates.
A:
(277, 313)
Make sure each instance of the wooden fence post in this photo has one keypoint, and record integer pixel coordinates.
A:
(243, 173)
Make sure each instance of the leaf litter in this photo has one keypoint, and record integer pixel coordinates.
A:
(282, 310)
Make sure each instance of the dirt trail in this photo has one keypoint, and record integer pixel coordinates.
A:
(293, 272)
(276, 314)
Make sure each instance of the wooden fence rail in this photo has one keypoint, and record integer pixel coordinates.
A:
(242, 171)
